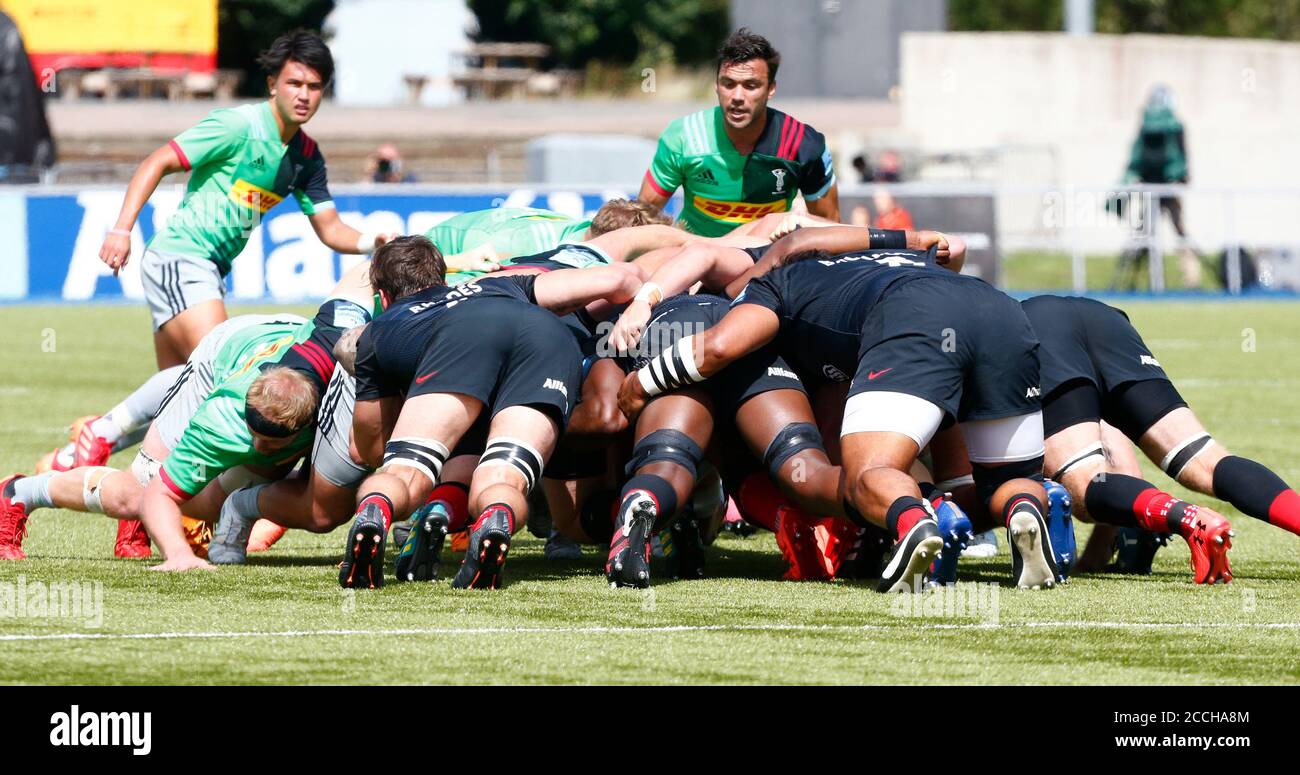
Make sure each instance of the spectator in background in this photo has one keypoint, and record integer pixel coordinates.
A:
(863, 167)
(890, 214)
(1159, 155)
(385, 166)
(890, 168)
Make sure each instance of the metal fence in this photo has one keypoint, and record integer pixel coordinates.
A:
(1111, 238)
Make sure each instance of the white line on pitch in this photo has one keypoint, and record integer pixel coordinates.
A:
(663, 629)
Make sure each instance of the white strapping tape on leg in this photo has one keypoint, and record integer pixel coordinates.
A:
(1095, 448)
(92, 492)
(144, 468)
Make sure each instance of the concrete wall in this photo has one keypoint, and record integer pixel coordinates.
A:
(838, 48)
(376, 43)
(1079, 99)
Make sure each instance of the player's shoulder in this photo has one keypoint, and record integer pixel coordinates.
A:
(786, 137)
(694, 134)
(244, 119)
(306, 147)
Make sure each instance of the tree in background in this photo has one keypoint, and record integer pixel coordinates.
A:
(246, 27)
(609, 31)
(1276, 19)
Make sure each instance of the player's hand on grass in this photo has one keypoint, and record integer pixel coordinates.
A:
(627, 331)
(116, 250)
(189, 562)
(631, 397)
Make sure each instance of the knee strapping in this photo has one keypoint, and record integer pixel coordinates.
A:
(1182, 454)
(424, 455)
(1078, 458)
(92, 488)
(144, 468)
(518, 455)
(666, 446)
(793, 439)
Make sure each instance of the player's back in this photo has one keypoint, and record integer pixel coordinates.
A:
(396, 340)
(824, 302)
(834, 293)
(512, 231)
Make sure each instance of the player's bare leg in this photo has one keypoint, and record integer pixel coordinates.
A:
(426, 429)
(1180, 445)
(780, 429)
(1077, 458)
(520, 440)
(593, 424)
(880, 490)
(178, 337)
(671, 434)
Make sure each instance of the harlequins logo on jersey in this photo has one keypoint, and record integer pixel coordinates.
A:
(705, 176)
(780, 181)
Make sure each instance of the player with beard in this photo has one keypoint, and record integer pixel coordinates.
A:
(741, 160)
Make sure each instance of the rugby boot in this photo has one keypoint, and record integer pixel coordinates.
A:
(489, 542)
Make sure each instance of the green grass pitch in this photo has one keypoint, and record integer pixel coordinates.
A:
(283, 619)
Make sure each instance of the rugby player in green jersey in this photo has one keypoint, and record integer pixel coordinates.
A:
(234, 416)
(742, 160)
(243, 162)
(501, 234)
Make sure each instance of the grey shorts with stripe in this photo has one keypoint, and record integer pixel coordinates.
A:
(331, 457)
(195, 382)
(173, 283)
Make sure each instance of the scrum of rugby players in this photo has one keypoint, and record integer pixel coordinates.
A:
(646, 376)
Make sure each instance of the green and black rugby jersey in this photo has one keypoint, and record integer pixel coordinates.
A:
(724, 189)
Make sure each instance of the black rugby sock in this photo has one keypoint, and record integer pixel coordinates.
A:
(1258, 492)
(659, 489)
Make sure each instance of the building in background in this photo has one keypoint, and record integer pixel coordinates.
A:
(838, 48)
(396, 52)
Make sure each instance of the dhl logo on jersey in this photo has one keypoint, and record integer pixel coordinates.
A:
(254, 197)
(263, 352)
(737, 212)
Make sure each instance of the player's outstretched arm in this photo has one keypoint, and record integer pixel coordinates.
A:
(695, 358)
(342, 238)
(627, 243)
(828, 205)
(372, 423)
(705, 262)
(161, 515)
(116, 250)
(566, 290)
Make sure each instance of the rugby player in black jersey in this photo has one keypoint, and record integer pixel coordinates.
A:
(927, 348)
(1096, 367)
(441, 359)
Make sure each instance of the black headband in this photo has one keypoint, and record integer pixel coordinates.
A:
(262, 425)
